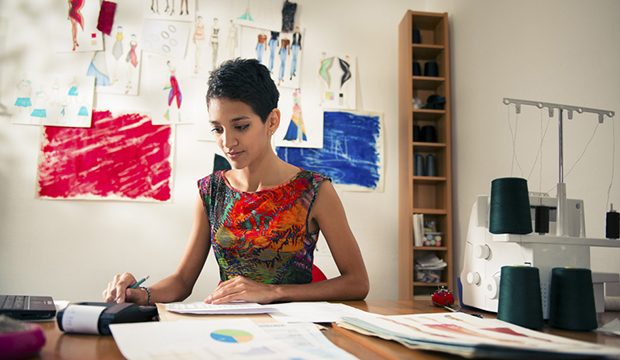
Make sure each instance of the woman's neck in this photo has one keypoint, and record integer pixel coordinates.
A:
(267, 174)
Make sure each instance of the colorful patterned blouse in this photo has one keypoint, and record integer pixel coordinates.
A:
(262, 235)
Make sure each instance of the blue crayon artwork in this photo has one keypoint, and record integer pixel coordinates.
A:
(352, 153)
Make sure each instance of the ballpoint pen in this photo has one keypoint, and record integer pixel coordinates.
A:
(135, 286)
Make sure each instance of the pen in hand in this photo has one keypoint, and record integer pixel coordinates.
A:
(135, 286)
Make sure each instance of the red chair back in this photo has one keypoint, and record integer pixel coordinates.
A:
(317, 274)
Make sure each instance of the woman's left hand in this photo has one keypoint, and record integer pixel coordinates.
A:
(241, 289)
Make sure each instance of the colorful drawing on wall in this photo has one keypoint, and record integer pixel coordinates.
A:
(166, 38)
(280, 52)
(336, 80)
(117, 69)
(352, 153)
(174, 90)
(121, 157)
(53, 99)
(301, 124)
(78, 31)
(177, 10)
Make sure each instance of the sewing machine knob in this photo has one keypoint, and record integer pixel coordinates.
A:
(473, 278)
(482, 251)
(491, 288)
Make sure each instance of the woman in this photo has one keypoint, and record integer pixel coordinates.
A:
(263, 217)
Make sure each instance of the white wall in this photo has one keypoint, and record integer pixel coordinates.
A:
(71, 249)
(555, 51)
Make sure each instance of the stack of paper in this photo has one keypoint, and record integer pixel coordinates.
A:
(234, 308)
(468, 336)
(430, 262)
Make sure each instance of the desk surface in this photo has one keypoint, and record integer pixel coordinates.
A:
(71, 346)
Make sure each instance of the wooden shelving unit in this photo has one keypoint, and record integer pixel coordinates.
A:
(427, 195)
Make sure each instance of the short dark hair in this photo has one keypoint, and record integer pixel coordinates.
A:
(245, 80)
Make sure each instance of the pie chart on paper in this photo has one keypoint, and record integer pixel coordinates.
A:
(231, 336)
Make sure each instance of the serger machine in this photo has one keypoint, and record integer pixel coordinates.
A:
(485, 253)
(565, 244)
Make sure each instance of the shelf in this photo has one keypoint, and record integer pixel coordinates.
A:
(428, 114)
(430, 196)
(429, 211)
(427, 82)
(428, 146)
(430, 248)
(429, 179)
(426, 52)
(430, 284)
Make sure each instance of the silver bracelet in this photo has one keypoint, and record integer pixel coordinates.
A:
(148, 302)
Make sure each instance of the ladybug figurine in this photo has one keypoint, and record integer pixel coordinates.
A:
(443, 297)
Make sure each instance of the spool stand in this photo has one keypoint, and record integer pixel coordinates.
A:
(561, 188)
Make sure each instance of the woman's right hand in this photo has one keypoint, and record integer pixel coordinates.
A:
(118, 290)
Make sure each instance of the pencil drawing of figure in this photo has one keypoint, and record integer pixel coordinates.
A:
(232, 42)
(24, 87)
(199, 39)
(215, 41)
(39, 112)
(117, 52)
(132, 61)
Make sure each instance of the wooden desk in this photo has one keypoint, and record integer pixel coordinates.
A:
(71, 346)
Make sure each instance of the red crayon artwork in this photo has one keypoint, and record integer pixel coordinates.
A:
(120, 157)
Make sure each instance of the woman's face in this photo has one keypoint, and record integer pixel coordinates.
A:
(239, 131)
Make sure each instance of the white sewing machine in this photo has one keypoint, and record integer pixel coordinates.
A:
(485, 253)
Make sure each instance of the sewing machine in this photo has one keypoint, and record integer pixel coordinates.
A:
(485, 253)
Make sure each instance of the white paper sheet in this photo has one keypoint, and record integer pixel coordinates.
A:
(313, 312)
(229, 339)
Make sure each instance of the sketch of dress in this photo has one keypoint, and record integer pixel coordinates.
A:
(325, 77)
(175, 91)
(39, 105)
(296, 128)
(98, 69)
(132, 60)
(117, 51)
(24, 87)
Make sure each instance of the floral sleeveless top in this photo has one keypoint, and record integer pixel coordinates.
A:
(262, 235)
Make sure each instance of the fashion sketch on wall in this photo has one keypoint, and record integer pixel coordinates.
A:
(336, 81)
(52, 99)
